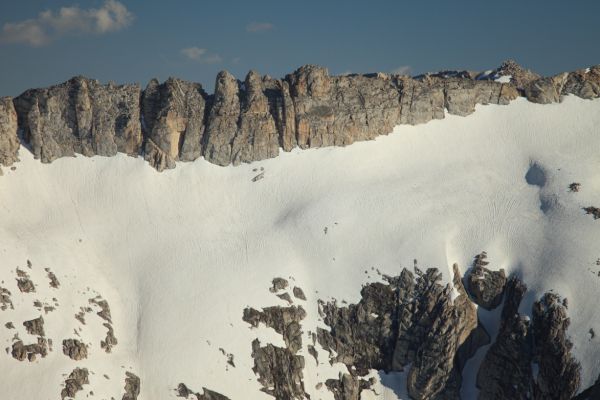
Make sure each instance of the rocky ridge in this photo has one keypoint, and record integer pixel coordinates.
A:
(250, 120)
(414, 323)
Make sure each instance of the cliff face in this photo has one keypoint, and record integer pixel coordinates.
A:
(411, 322)
(80, 116)
(173, 122)
(251, 120)
(9, 142)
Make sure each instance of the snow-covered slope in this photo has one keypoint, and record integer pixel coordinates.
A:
(178, 255)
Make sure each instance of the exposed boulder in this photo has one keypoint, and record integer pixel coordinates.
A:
(74, 383)
(285, 321)
(74, 349)
(104, 312)
(593, 211)
(9, 141)
(299, 293)
(279, 371)
(24, 283)
(486, 287)
(22, 352)
(186, 393)
(80, 116)
(35, 326)
(574, 187)
(278, 284)
(110, 340)
(347, 387)
(132, 387)
(5, 301)
(54, 283)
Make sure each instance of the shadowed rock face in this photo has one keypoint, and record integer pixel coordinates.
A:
(414, 321)
(251, 120)
(187, 393)
(411, 320)
(559, 372)
(279, 369)
(506, 371)
(486, 287)
(74, 383)
(591, 393)
(347, 387)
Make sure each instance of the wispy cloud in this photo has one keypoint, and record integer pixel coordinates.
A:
(259, 27)
(50, 25)
(201, 55)
(402, 70)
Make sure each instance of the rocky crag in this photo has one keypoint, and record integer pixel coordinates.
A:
(414, 323)
(251, 120)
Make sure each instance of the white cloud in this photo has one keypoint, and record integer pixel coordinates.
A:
(211, 59)
(49, 25)
(201, 55)
(259, 27)
(402, 70)
(193, 53)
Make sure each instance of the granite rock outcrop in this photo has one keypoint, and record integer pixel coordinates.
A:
(9, 141)
(414, 322)
(80, 116)
(253, 119)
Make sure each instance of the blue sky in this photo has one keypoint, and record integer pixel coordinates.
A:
(43, 42)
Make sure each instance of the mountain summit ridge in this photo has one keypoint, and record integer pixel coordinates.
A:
(250, 120)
